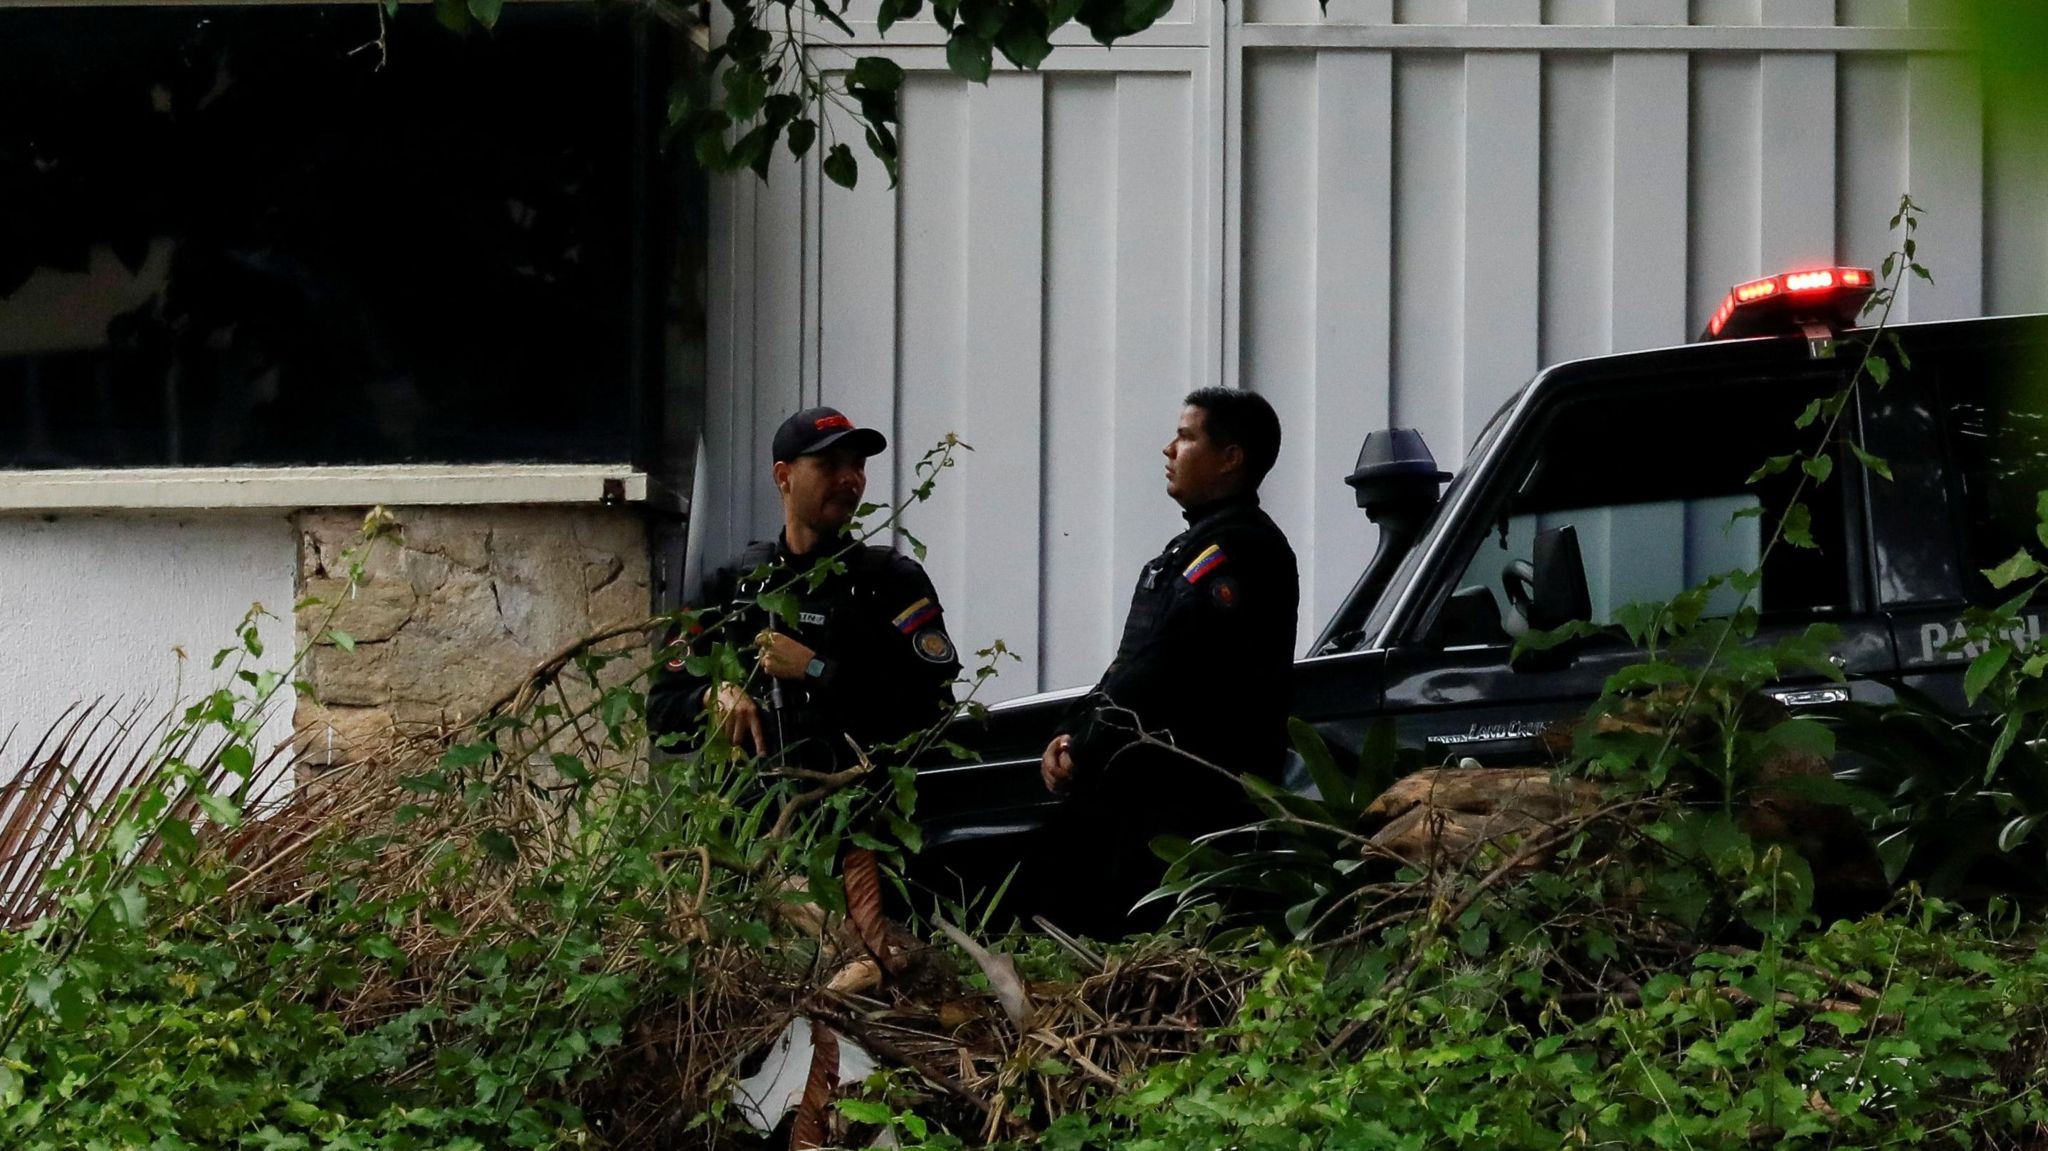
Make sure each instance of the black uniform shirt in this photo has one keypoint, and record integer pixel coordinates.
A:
(877, 625)
(1208, 650)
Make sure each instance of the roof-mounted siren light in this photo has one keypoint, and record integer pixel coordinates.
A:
(1786, 304)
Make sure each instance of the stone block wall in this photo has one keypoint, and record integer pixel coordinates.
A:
(457, 606)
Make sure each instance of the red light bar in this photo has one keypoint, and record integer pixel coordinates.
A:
(1783, 302)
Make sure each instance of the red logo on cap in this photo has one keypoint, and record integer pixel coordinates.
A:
(834, 422)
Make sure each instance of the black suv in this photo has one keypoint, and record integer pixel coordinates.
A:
(1618, 479)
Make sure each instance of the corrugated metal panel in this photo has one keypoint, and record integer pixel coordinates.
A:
(1945, 170)
(1081, 314)
(1392, 213)
(1580, 192)
(1284, 272)
(1039, 284)
(933, 391)
(1351, 384)
(2015, 211)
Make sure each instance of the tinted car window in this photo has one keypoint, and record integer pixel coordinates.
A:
(1996, 401)
(1656, 486)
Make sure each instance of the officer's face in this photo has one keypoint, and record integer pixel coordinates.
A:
(824, 489)
(1198, 469)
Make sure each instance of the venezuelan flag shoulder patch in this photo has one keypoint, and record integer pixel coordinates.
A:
(1212, 557)
(916, 615)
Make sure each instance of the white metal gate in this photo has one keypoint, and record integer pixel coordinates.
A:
(1394, 213)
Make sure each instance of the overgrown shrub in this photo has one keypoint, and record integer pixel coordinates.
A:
(1917, 1028)
(531, 932)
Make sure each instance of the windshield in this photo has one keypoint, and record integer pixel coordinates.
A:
(1685, 513)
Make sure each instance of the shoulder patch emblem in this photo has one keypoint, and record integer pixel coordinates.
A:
(692, 627)
(1223, 591)
(933, 645)
(916, 616)
(1212, 557)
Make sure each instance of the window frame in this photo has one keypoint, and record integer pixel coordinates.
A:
(1933, 344)
(54, 491)
(652, 471)
(1693, 368)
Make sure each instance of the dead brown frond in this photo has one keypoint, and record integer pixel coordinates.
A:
(90, 771)
(471, 829)
(1081, 1039)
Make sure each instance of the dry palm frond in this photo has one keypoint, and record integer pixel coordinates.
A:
(685, 1041)
(474, 855)
(812, 1120)
(68, 795)
(93, 769)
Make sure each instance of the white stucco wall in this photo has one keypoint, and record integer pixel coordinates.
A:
(101, 606)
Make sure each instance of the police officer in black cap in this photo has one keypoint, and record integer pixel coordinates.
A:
(1205, 663)
(867, 655)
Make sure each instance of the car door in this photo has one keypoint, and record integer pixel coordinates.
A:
(1652, 476)
(1966, 428)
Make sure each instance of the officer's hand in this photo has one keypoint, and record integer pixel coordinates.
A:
(736, 714)
(781, 656)
(1056, 766)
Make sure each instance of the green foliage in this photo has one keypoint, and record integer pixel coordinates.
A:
(1962, 796)
(779, 83)
(473, 970)
(1906, 1031)
(1299, 871)
(1666, 980)
(149, 1007)
(457, 957)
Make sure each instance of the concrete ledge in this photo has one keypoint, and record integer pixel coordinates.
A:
(416, 485)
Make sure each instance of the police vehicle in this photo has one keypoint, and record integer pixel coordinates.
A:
(1620, 479)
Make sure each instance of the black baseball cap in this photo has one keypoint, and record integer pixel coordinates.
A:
(815, 429)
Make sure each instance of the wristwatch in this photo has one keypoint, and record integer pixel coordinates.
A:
(815, 670)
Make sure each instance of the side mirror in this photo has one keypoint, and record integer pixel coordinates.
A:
(1549, 593)
(1560, 595)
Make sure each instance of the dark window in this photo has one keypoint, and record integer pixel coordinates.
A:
(1655, 485)
(1997, 402)
(229, 236)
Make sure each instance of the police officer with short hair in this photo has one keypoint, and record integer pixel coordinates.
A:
(1205, 662)
(867, 656)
